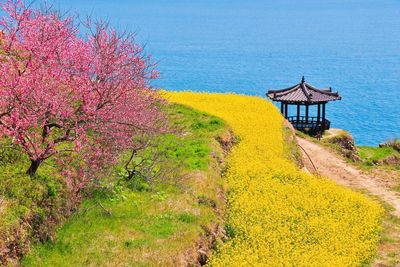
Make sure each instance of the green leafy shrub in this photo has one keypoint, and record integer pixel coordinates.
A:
(34, 205)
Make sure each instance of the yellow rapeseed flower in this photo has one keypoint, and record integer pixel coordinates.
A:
(279, 215)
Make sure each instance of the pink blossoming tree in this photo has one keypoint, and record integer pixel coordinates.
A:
(61, 93)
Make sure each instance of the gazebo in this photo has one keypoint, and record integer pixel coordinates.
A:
(304, 94)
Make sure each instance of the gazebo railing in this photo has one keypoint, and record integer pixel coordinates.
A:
(310, 124)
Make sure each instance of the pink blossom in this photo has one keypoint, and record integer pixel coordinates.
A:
(56, 87)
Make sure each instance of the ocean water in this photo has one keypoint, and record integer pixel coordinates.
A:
(249, 47)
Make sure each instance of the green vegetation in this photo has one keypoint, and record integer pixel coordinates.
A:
(141, 223)
(292, 150)
(394, 143)
(373, 155)
(22, 194)
(29, 206)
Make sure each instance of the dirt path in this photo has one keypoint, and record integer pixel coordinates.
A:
(332, 166)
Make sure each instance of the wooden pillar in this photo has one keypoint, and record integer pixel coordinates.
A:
(319, 113)
(298, 113)
(323, 116)
(282, 108)
(307, 109)
(286, 110)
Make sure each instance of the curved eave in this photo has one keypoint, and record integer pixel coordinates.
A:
(277, 97)
(304, 93)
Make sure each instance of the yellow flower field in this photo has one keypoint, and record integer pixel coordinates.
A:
(278, 215)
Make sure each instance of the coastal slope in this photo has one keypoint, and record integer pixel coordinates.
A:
(278, 215)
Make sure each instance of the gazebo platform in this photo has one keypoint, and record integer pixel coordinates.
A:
(304, 94)
(311, 126)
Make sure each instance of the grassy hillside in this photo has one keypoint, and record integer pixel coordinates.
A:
(29, 207)
(278, 215)
(161, 223)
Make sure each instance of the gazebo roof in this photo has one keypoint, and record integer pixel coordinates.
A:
(303, 93)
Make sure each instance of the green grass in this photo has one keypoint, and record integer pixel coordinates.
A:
(198, 128)
(141, 230)
(370, 154)
(29, 206)
(141, 224)
(292, 150)
(24, 193)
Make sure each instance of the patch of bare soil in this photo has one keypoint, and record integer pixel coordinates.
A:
(389, 178)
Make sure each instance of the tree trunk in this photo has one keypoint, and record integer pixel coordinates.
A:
(33, 168)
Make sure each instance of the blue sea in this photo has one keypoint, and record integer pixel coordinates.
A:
(249, 47)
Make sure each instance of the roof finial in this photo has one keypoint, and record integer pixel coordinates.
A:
(303, 79)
